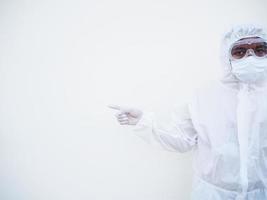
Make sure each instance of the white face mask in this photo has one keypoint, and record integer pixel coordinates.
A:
(250, 69)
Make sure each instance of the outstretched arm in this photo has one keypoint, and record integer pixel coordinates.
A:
(177, 136)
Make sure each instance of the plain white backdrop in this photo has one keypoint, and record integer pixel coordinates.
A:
(62, 62)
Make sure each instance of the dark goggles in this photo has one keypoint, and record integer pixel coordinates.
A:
(254, 46)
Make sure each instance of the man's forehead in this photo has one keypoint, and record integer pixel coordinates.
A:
(249, 40)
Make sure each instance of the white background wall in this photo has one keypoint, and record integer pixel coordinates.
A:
(62, 62)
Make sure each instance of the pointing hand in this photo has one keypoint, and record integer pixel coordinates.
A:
(127, 115)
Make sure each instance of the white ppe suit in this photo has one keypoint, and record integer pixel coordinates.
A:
(225, 125)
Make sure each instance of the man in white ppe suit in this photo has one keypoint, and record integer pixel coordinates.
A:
(224, 124)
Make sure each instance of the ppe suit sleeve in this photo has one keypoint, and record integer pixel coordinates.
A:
(179, 135)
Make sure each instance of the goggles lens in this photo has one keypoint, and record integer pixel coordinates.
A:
(240, 49)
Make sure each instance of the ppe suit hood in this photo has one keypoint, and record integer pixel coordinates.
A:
(236, 33)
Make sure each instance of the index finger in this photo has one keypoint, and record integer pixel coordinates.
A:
(114, 107)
